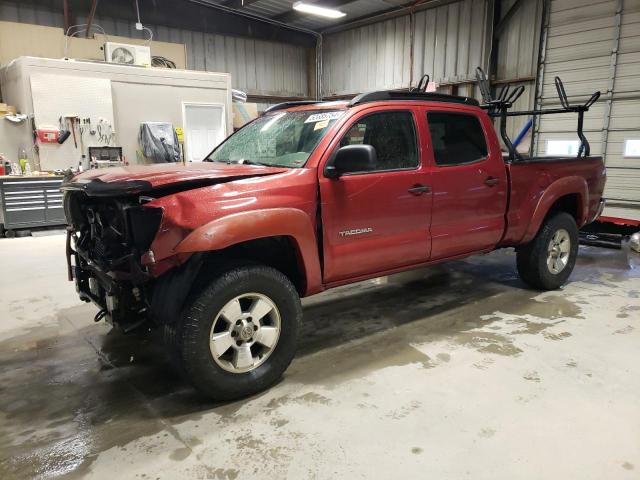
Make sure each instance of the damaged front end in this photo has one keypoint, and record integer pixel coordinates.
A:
(106, 238)
(124, 225)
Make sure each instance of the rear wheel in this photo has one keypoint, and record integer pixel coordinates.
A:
(239, 334)
(548, 260)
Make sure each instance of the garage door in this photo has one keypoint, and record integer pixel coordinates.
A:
(593, 46)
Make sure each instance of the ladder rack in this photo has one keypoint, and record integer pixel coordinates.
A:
(499, 108)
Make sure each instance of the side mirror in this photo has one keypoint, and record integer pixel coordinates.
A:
(351, 159)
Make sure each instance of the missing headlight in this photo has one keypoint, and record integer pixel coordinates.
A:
(143, 224)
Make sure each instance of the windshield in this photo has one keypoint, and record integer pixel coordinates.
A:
(282, 139)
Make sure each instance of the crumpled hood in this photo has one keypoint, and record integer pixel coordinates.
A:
(144, 178)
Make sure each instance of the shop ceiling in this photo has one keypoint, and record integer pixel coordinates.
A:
(274, 20)
(282, 10)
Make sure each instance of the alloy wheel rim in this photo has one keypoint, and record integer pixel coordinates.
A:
(245, 333)
(558, 251)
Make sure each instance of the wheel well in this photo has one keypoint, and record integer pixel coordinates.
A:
(279, 252)
(569, 204)
(171, 290)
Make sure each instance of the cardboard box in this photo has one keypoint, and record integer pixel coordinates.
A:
(4, 109)
(243, 113)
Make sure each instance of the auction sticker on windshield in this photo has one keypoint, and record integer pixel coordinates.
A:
(319, 117)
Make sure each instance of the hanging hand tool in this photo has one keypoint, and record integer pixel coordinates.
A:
(72, 122)
(105, 131)
(83, 128)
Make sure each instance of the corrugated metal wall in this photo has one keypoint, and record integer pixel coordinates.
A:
(518, 46)
(449, 43)
(372, 57)
(595, 45)
(258, 67)
(519, 41)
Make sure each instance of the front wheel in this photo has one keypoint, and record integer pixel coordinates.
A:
(239, 334)
(548, 260)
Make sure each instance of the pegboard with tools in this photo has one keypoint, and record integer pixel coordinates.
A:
(81, 108)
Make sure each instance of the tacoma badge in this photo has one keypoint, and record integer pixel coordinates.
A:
(356, 231)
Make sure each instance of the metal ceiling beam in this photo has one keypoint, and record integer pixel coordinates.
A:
(293, 15)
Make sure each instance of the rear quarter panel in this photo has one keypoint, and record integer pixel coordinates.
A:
(537, 184)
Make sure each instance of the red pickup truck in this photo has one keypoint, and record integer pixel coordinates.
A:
(305, 198)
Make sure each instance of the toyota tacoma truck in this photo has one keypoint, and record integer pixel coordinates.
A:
(308, 197)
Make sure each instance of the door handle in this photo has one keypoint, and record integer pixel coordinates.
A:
(419, 189)
(492, 181)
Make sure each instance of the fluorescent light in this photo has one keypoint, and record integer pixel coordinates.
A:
(316, 10)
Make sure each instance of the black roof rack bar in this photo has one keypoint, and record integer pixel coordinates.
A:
(387, 95)
(283, 105)
(392, 95)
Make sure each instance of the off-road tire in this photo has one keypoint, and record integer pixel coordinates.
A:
(190, 337)
(532, 258)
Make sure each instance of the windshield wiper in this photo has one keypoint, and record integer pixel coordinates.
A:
(244, 162)
(232, 162)
(253, 162)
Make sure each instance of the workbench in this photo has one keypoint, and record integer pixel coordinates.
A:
(31, 201)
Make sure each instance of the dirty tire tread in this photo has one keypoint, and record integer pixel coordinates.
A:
(191, 340)
(170, 338)
(531, 258)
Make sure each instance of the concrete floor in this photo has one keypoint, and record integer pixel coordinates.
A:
(464, 373)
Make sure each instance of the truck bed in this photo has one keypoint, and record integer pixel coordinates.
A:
(532, 177)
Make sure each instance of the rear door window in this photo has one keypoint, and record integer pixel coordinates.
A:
(457, 138)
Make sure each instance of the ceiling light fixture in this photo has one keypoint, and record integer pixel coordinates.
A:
(316, 10)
